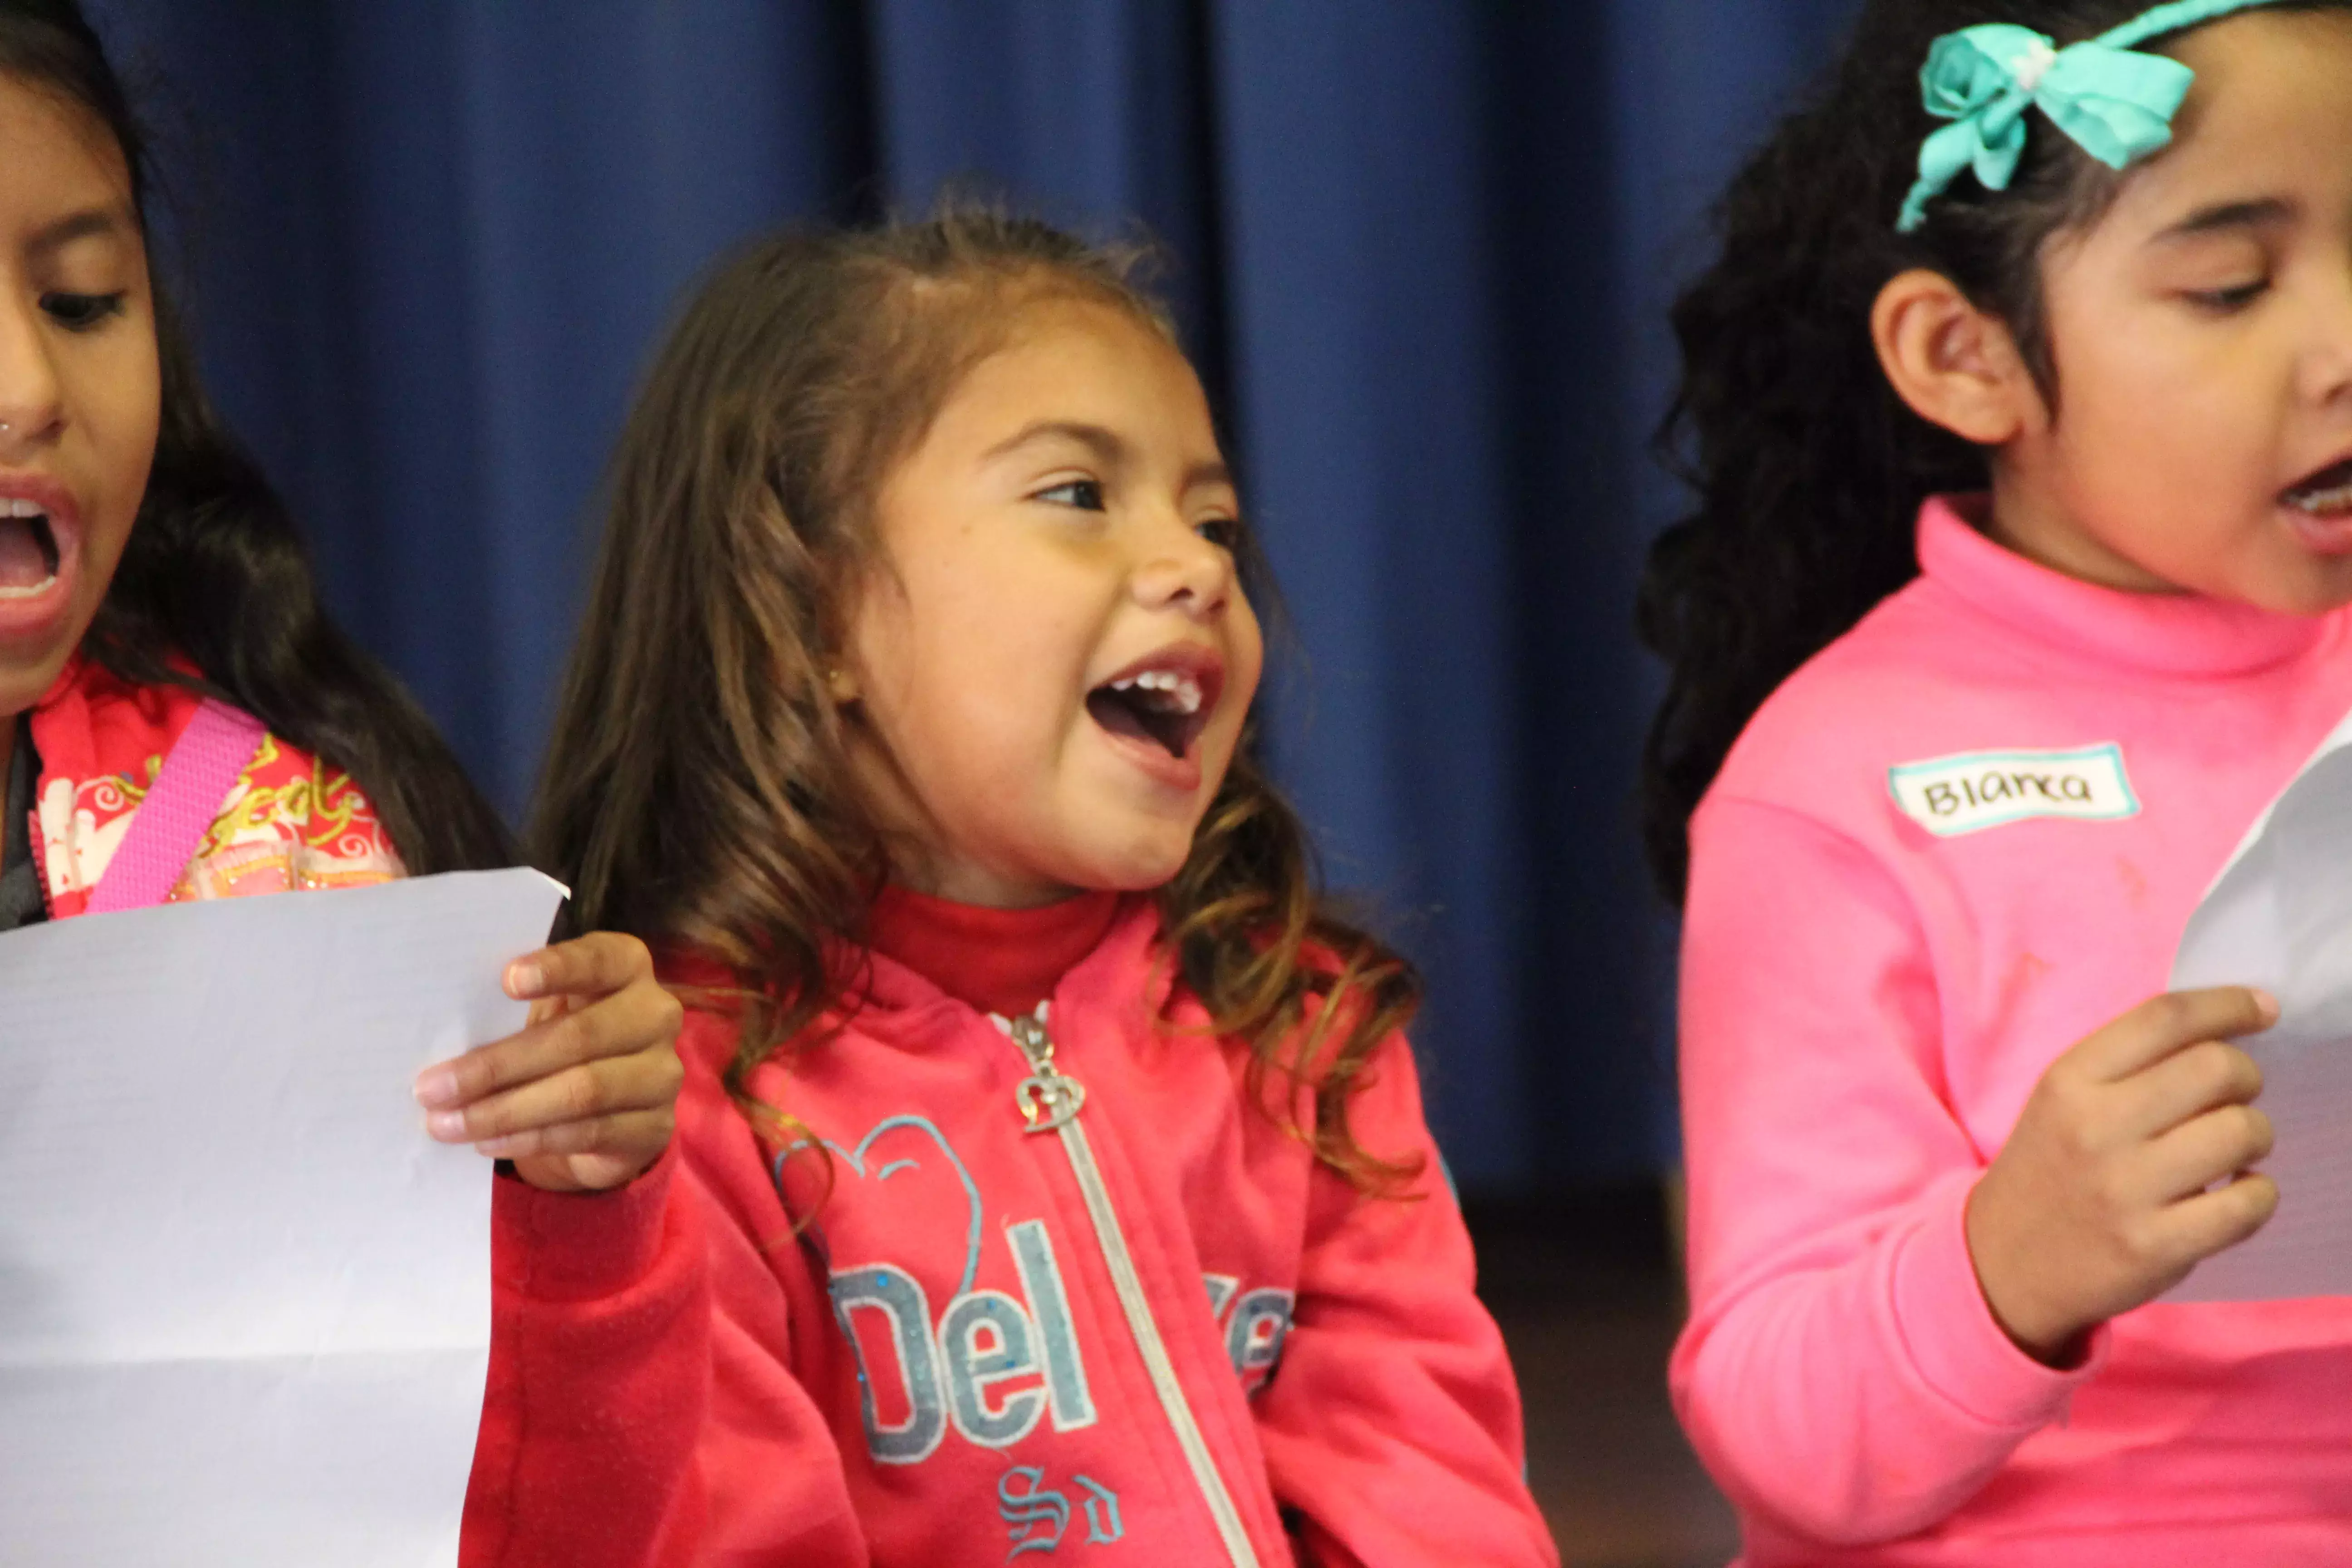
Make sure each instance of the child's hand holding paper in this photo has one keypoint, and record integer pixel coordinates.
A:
(583, 1098)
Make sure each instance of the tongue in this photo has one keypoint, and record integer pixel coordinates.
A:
(22, 563)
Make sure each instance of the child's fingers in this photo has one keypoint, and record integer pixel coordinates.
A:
(636, 1136)
(2205, 1149)
(2186, 1085)
(591, 965)
(2162, 1025)
(638, 1018)
(646, 1080)
(2196, 1227)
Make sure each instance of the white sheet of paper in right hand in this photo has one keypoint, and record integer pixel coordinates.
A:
(243, 1300)
(2280, 917)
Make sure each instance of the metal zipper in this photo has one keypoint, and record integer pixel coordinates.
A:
(1050, 1100)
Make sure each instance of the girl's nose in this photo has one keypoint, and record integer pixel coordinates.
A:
(30, 402)
(2328, 358)
(1182, 570)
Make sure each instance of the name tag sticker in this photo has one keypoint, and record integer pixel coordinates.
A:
(1957, 794)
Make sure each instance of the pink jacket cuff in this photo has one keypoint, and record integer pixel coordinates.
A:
(1956, 1346)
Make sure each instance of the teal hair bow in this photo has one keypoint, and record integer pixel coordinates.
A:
(2116, 103)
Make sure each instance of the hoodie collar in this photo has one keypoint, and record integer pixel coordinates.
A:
(2165, 635)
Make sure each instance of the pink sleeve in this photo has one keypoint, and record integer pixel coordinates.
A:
(642, 1410)
(599, 1335)
(1841, 1374)
(1392, 1427)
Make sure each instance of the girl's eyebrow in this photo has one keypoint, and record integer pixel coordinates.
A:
(2266, 212)
(94, 224)
(1107, 446)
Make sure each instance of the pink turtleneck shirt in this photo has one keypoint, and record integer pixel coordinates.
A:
(1963, 837)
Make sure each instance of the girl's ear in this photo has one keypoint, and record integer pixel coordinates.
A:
(840, 683)
(1955, 365)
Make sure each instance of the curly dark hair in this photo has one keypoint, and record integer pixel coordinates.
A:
(697, 790)
(215, 570)
(1810, 470)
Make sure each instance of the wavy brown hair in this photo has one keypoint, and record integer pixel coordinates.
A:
(698, 791)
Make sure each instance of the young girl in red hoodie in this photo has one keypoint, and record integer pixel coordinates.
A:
(1066, 1170)
(179, 720)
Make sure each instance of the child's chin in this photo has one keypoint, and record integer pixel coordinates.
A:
(1137, 867)
(2320, 588)
(26, 672)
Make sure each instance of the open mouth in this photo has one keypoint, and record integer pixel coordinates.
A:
(28, 550)
(1167, 707)
(2327, 493)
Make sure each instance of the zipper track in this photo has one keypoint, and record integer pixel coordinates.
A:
(1140, 1324)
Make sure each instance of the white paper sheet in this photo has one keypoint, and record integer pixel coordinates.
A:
(2280, 917)
(244, 1302)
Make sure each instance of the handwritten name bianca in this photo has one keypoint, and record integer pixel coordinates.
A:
(1971, 791)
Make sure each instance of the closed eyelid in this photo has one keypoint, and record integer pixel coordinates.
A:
(2227, 272)
(96, 224)
(87, 279)
(2217, 264)
(79, 310)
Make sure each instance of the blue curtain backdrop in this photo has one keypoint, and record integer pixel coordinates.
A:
(1424, 252)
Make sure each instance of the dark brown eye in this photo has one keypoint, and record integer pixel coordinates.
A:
(1224, 532)
(1087, 495)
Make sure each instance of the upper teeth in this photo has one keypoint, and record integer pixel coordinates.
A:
(17, 506)
(2335, 498)
(1183, 691)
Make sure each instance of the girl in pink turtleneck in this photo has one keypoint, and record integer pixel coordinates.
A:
(2015, 592)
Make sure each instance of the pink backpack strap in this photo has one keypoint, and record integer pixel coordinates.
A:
(179, 809)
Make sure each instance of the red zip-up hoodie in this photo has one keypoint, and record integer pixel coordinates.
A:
(1093, 1305)
(600, 1324)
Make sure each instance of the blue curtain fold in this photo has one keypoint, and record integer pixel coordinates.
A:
(1422, 251)
(1370, 381)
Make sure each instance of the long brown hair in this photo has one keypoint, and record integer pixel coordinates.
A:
(697, 791)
